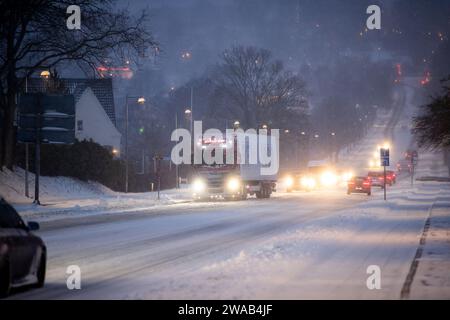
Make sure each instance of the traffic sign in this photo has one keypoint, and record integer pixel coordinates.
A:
(29, 121)
(384, 157)
(48, 135)
(49, 115)
(49, 104)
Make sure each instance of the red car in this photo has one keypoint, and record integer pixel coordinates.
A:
(376, 178)
(359, 185)
(391, 177)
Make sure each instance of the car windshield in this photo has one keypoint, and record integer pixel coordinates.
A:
(9, 217)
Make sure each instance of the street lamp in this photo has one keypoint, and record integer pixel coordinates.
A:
(141, 101)
(45, 74)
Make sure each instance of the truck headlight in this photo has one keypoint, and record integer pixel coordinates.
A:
(233, 184)
(198, 186)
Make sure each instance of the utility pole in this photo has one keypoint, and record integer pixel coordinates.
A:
(192, 109)
(139, 100)
(177, 182)
(37, 156)
(27, 155)
(126, 144)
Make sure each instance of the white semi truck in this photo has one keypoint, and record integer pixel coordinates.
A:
(231, 181)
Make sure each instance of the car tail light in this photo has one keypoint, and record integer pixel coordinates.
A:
(366, 183)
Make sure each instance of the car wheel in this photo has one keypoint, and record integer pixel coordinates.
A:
(369, 193)
(348, 192)
(5, 279)
(41, 271)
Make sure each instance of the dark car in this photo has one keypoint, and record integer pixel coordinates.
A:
(403, 166)
(376, 178)
(391, 177)
(22, 254)
(359, 185)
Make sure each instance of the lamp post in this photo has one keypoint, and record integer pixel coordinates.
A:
(139, 100)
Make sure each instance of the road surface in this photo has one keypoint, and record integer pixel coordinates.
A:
(301, 245)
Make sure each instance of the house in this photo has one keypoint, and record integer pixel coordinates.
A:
(95, 116)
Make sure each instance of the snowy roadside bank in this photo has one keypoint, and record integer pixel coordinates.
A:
(63, 197)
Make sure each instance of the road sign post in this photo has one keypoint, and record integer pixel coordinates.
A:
(157, 166)
(384, 161)
(413, 167)
(44, 118)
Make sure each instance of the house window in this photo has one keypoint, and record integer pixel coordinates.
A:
(80, 125)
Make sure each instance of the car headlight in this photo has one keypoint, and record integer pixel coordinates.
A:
(347, 176)
(198, 186)
(233, 184)
(288, 181)
(328, 178)
(308, 182)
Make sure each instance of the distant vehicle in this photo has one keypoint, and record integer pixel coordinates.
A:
(391, 177)
(411, 154)
(376, 178)
(359, 185)
(300, 182)
(321, 174)
(230, 181)
(292, 181)
(403, 166)
(22, 254)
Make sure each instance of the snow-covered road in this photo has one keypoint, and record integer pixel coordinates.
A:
(299, 245)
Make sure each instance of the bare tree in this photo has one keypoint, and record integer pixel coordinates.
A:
(34, 35)
(432, 127)
(257, 89)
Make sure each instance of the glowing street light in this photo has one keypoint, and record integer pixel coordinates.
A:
(140, 100)
(45, 74)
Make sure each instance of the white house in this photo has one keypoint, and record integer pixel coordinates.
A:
(92, 122)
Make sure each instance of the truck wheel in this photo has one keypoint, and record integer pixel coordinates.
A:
(5, 279)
